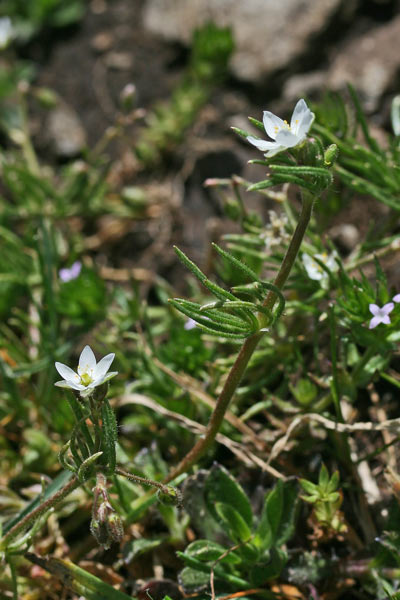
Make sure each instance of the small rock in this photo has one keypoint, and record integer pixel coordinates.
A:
(102, 42)
(370, 62)
(305, 84)
(268, 34)
(345, 235)
(120, 61)
(65, 132)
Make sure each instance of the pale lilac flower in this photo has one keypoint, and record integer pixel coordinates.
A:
(71, 273)
(90, 373)
(284, 135)
(381, 315)
(190, 324)
(396, 298)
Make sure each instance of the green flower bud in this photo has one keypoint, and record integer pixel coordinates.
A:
(170, 496)
(331, 154)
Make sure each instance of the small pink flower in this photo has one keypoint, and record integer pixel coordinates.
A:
(396, 298)
(381, 315)
(71, 273)
(190, 324)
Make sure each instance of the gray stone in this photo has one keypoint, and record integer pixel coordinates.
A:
(370, 62)
(268, 34)
(65, 132)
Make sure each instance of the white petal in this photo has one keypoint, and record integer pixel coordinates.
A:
(272, 124)
(103, 366)
(305, 124)
(67, 373)
(275, 150)
(300, 110)
(287, 139)
(262, 145)
(103, 379)
(69, 385)
(87, 361)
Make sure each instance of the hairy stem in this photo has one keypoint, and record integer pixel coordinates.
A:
(237, 371)
(37, 512)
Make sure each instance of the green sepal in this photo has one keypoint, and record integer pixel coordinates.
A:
(257, 123)
(241, 132)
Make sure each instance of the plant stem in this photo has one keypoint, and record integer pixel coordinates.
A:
(238, 368)
(143, 480)
(31, 517)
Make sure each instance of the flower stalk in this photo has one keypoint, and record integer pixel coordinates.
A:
(237, 371)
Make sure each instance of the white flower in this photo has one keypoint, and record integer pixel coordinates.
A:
(381, 315)
(6, 32)
(314, 270)
(396, 298)
(90, 374)
(284, 135)
(275, 232)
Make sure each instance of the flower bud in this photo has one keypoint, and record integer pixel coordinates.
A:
(101, 534)
(313, 153)
(170, 496)
(115, 527)
(331, 154)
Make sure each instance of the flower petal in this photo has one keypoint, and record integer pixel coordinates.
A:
(67, 373)
(385, 319)
(87, 361)
(102, 379)
(278, 148)
(396, 298)
(262, 145)
(374, 322)
(272, 124)
(70, 385)
(374, 309)
(387, 308)
(302, 119)
(287, 139)
(103, 366)
(305, 124)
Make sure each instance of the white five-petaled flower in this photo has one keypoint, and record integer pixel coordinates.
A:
(6, 32)
(381, 315)
(90, 374)
(314, 269)
(284, 135)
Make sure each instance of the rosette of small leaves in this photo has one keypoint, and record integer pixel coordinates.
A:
(230, 316)
(326, 500)
(314, 176)
(242, 550)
